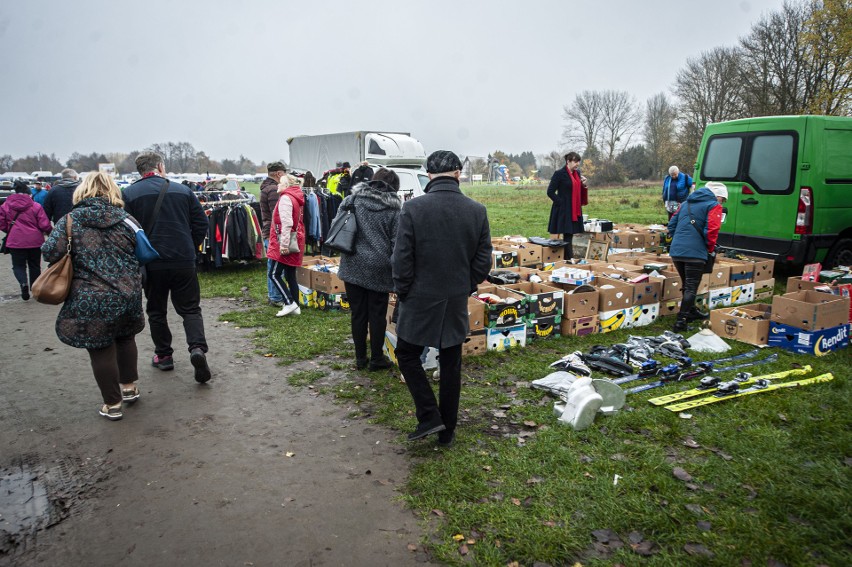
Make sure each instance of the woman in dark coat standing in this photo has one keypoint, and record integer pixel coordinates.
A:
(103, 311)
(367, 273)
(568, 192)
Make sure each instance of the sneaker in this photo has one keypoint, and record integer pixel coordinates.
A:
(382, 364)
(130, 395)
(292, 308)
(573, 363)
(112, 413)
(199, 362)
(163, 362)
(424, 429)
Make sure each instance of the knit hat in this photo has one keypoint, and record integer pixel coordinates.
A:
(442, 161)
(276, 166)
(718, 189)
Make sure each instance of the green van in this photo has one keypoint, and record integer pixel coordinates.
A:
(789, 182)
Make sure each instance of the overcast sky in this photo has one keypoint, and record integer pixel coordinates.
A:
(240, 77)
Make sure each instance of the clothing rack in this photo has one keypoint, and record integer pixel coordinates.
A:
(226, 203)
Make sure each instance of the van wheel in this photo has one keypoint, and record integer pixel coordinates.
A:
(840, 254)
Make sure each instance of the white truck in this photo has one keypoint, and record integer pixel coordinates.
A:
(397, 151)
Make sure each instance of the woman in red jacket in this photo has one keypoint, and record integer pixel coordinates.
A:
(287, 218)
(25, 224)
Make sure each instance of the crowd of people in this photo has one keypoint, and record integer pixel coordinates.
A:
(431, 252)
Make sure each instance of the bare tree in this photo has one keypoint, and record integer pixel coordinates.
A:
(584, 119)
(659, 132)
(6, 162)
(708, 91)
(619, 120)
(827, 46)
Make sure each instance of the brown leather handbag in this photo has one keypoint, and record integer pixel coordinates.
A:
(54, 283)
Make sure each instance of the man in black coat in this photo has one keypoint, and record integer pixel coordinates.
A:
(176, 233)
(58, 202)
(362, 173)
(442, 252)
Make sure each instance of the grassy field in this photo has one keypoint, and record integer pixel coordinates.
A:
(761, 480)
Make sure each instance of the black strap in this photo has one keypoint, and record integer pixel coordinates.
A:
(157, 208)
(692, 222)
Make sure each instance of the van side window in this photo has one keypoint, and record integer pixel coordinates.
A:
(722, 158)
(770, 167)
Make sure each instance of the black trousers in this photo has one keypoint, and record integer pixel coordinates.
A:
(569, 247)
(23, 259)
(690, 273)
(284, 279)
(426, 407)
(369, 309)
(114, 365)
(185, 293)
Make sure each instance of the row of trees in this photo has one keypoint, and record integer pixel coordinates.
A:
(180, 157)
(797, 60)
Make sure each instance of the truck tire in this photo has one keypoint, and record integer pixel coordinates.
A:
(840, 254)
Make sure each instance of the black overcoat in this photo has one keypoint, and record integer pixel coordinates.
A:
(442, 251)
(560, 192)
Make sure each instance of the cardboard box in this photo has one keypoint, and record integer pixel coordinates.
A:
(669, 307)
(502, 314)
(720, 277)
(332, 301)
(574, 275)
(748, 323)
(541, 300)
(503, 258)
(504, 338)
(543, 328)
(742, 294)
(641, 315)
(304, 273)
(578, 304)
(742, 271)
(702, 301)
(475, 314)
(764, 289)
(307, 297)
(648, 292)
(615, 319)
(579, 326)
(672, 285)
(612, 295)
(551, 254)
(764, 268)
(719, 297)
(327, 282)
(817, 343)
(529, 254)
(796, 283)
(810, 310)
(475, 344)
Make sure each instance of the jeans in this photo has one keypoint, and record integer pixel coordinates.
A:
(114, 365)
(284, 278)
(690, 273)
(23, 258)
(368, 308)
(427, 409)
(183, 286)
(271, 289)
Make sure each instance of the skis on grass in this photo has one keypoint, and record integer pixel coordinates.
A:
(700, 370)
(709, 384)
(760, 386)
(670, 371)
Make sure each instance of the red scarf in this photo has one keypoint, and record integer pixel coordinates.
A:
(576, 194)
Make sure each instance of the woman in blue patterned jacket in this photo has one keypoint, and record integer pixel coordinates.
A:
(103, 312)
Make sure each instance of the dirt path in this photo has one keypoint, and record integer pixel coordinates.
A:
(193, 475)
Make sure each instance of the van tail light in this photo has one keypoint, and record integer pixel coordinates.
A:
(805, 213)
(747, 190)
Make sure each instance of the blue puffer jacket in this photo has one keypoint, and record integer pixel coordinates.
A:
(687, 243)
(680, 191)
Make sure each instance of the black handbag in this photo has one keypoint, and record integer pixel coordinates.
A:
(341, 233)
(3, 248)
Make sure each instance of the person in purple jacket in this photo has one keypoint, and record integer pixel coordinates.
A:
(25, 224)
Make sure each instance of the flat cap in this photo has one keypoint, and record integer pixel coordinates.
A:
(442, 161)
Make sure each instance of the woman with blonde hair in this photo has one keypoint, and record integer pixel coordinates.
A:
(287, 218)
(103, 311)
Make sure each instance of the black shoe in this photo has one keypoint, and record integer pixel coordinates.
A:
(382, 364)
(446, 438)
(680, 325)
(25, 292)
(163, 362)
(424, 429)
(199, 362)
(695, 315)
(361, 363)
